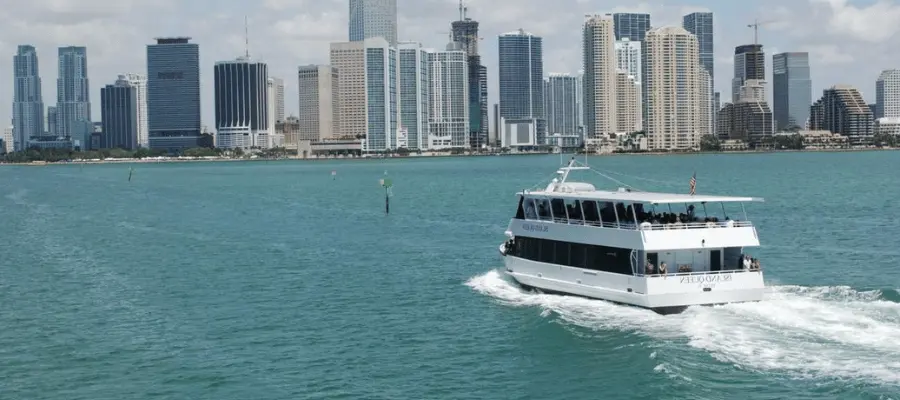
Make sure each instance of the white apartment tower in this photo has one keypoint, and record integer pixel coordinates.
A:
(139, 83)
(413, 96)
(599, 47)
(448, 116)
(887, 94)
(628, 103)
(367, 81)
(319, 102)
(675, 90)
(278, 97)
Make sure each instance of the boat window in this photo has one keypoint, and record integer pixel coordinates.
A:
(543, 209)
(530, 212)
(520, 212)
(558, 208)
(591, 213)
(608, 213)
(573, 210)
(593, 257)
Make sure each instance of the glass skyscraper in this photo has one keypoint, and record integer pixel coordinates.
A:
(119, 115)
(28, 104)
(173, 94)
(521, 78)
(73, 103)
(381, 95)
(373, 18)
(241, 102)
(791, 89)
(413, 95)
(631, 26)
(701, 25)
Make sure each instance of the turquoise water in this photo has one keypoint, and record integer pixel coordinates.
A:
(274, 281)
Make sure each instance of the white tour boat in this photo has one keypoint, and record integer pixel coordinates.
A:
(572, 238)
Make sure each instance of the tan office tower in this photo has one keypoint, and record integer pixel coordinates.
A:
(628, 103)
(599, 76)
(319, 102)
(674, 90)
(349, 59)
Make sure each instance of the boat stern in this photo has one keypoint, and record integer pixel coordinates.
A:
(675, 292)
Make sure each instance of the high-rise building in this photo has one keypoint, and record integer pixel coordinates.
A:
(448, 115)
(319, 104)
(887, 94)
(173, 94)
(28, 103)
(628, 103)
(674, 90)
(599, 50)
(274, 139)
(139, 82)
(749, 120)
(242, 104)
(749, 63)
(373, 18)
(465, 32)
(791, 90)
(842, 110)
(700, 24)
(478, 102)
(278, 96)
(51, 120)
(413, 95)
(119, 109)
(521, 79)
(628, 57)
(632, 26)
(579, 98)
(8, 139)
(73, 102)
(367, 80)
(561, 104)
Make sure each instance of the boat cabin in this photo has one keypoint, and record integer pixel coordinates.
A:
(630, 230)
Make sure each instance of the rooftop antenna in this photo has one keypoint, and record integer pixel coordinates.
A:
(462, 10)
(246, 39)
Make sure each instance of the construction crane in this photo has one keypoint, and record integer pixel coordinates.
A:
(755, 25)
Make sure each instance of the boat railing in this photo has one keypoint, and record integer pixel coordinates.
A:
(691, 273)
(647, 226)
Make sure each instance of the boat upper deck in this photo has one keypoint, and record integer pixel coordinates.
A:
(584, 191)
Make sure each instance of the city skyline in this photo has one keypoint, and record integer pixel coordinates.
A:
(834, 44)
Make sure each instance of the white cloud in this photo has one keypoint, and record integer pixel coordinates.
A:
(840, 35)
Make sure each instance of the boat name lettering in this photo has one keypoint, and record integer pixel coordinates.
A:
(534, 227)
(691, 279)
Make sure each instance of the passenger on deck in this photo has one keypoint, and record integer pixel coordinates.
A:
(649, 269)
(746, 262)
(754, 264)
(662, 268)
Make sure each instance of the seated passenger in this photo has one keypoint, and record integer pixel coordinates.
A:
(662, 268)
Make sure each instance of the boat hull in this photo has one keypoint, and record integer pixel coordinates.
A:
(665, 295)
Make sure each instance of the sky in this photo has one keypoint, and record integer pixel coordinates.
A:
(849, 41)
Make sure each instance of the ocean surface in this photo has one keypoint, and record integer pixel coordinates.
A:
(275, 280)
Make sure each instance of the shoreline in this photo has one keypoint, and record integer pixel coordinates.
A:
(297, 158)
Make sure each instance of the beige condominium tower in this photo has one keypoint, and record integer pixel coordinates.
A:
(675, 90)
(599, 76)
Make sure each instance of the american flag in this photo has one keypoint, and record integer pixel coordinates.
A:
(694, 184)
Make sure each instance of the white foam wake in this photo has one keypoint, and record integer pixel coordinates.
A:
(816, 332)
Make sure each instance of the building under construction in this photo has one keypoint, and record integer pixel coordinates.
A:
(842, 110)
(465, 32)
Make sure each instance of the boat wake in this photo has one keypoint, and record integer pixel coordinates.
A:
(810, 332)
